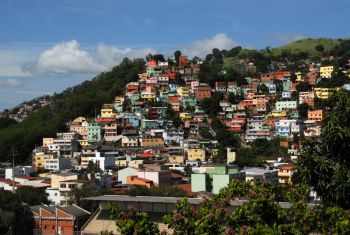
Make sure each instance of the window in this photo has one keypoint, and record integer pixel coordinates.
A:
(63, 186)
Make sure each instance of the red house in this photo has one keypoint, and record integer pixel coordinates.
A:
(64, 220)
(202, 91)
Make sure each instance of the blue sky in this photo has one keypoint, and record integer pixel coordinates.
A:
(46, 46)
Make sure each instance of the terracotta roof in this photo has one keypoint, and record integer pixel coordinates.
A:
(287, 167)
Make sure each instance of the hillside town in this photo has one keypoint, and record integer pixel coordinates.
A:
(166, 131)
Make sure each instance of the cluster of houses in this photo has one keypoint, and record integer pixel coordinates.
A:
(133, 141)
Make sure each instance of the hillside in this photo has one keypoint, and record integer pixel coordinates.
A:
(83, 99)
(308, 45)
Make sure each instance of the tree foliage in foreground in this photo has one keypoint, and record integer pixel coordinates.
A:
(259, 214)
(325, 163)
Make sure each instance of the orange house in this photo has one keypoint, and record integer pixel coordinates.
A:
(64, 220)
(316, 115)
(247, 103)
(152, 63)
(202, 91)
(135, 180)
(282, 74)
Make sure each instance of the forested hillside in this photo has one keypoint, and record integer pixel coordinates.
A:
(83, 99)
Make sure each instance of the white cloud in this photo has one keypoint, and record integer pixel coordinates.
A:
(68, 58)
(202, 47)
(110, 56)
(10, 82)
(287, 38)
(64, 58)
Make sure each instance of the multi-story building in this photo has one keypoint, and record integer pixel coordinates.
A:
(324, 93)
(316, 115)
(94, 132)
(196, 154)
(285, 105)
(202, 91)
(326, 71)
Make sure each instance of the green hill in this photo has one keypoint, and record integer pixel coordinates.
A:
(308, 45)
(81, 100)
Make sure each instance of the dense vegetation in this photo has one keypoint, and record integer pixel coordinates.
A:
(81, 100)
(16, 217)
(259, 214)
(325, 163)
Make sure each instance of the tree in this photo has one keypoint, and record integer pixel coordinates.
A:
(177, 55)
(302, 110)
(15, 218)
(131, 222)
(183, 218)
(324, 163)
(32, 196)
(303, 86)
(319, 48)
(263, 89)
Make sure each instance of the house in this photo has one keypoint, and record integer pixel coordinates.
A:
(150, 141)
(285, 105)
(173, 135)
(287, 127)
(65, 220)
(128, 171)
(194, 154)
(174, 102)
(202, 91)
(130, 139)
(57, 164)
(326, 71)
(107, 111)
(220, 87)
(79, 126)
(324, 93)
(285, 173)
(94, 132)
(316, 115)
(307, 97)
(101, 160)
(255, 175)
(183, 92)
(18, 170)
(38, 159)
(282, 75)
(110, 132)
(312, 128)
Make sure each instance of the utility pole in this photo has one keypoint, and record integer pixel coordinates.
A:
(13, 170)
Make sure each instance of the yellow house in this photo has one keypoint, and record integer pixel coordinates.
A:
(47, 141)
(56, 178)
(324, 93)
(176, 159)
(326, 71)
(299, 76)
(185, 116)
(194, 154)
(152, 142)
(107, 111)
(278, 114)
(183, 91)
(128, 163)
(148, 96)
(84, 143)
(39, 159)
(175, 107)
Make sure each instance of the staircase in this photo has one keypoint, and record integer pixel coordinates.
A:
(100, 221)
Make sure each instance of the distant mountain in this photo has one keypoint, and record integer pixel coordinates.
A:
(308, 45)
(82, 100)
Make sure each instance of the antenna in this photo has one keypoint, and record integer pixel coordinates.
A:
(13, 169)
